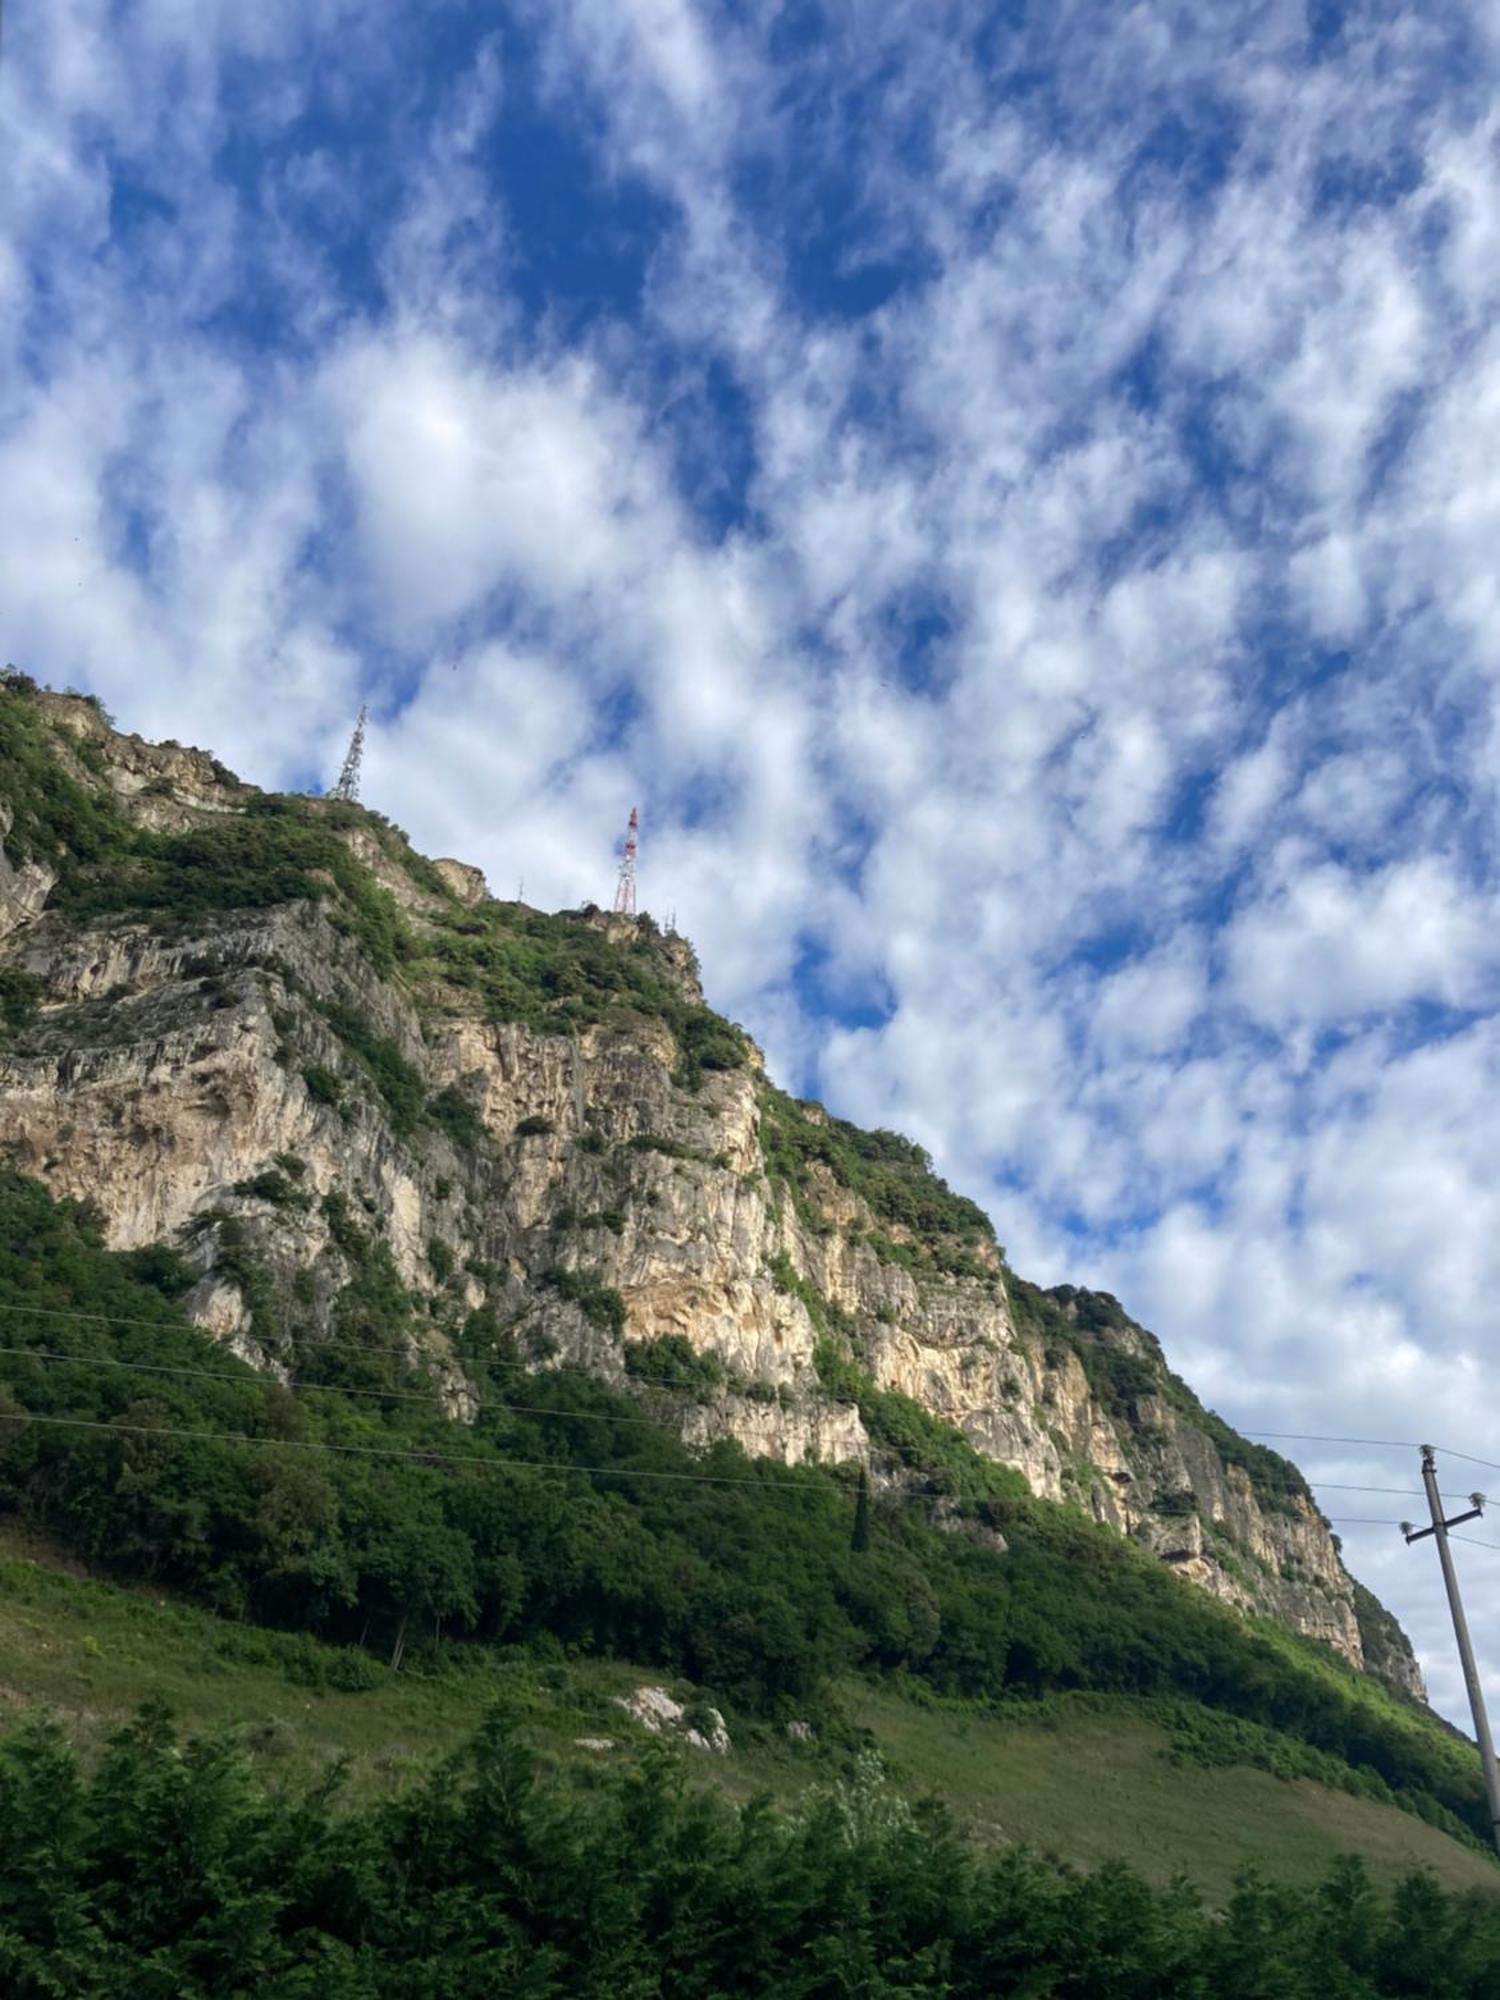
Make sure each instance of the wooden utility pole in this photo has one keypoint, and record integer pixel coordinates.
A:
(1439, 1533)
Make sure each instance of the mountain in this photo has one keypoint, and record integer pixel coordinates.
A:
(421, 1301)
(264, 1034)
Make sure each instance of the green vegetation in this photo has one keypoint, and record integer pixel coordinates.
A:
(174, 1869)
(560, 974)
(276, 850)
(1096, 1778)
(1089, 1324)
(344, 1523)
(322, 1084)
(926, 1444)
(452, 1113)
(672, 1362)
(20, 996)
(397, 1083)
(599, 1303)
(1104, 1778)
(899, 1425)
(57, 821)
(748, 1587)
(893, 1175)
(275, 1187)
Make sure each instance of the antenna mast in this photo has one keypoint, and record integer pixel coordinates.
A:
(625, 888)
(348, 784)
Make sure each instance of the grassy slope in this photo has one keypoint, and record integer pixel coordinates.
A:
(1086, 1786)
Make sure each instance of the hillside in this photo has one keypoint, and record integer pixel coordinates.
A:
(1092, 1777)
(356, 1096)
(443, 1280)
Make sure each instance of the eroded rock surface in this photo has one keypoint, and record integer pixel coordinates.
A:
(247, 1088)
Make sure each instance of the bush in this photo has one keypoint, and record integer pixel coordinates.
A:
(534, 1127)
(322, 1085)
(600, 1304)
(672, 1362)
(397, 1082)
(891, 1174)
(20, 996)
(452, 1113)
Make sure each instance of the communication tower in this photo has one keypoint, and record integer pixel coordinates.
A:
(625, 887)
(348, 784)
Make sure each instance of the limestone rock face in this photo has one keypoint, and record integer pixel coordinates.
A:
(241, 1085)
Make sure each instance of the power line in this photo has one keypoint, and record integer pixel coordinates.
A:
(410, 1351)
(418, 1456)
(320, 1388)
(1468, 1458)
(1323, 1485)
(405, 1349)
(1311, 1437)
(1358, 1521)
(415, 1355)
(1474, 1542)
(1392, 1444)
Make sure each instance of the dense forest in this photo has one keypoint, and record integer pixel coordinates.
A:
(172, 1871)
(354, 1509)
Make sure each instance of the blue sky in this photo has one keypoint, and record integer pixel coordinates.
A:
(1012, 493)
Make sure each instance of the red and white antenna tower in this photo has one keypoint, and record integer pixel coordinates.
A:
(625, 887)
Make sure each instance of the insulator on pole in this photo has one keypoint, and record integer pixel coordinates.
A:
(625, 887)
(348, 784)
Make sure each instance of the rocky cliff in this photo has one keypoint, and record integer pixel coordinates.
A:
(265, 1032)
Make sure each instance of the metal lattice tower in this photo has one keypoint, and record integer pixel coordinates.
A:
(625, 887)
(348, 784)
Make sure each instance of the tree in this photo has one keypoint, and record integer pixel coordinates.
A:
(859, 1541)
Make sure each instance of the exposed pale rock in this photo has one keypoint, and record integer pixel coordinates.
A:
(467, 883)
(655, 1710)
(165, 1073)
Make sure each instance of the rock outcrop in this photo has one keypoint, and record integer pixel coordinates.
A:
(539, 1122)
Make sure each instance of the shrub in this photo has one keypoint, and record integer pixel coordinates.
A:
(599, 1303)
(452, 1113)
(322, 1085)
(20, 996)
(672, 1362)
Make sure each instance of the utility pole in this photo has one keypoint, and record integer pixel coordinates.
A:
(1439, 1532)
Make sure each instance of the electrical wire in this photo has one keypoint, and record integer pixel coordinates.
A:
(413, 1354)
(411, 1351)
(1323, 1485)
(319, 1388)
(1468, 1458)
(418, 1456)
(1313, 1437)
(1358, 1521)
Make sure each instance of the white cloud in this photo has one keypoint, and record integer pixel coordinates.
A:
(1330, 944)
(1155, 433)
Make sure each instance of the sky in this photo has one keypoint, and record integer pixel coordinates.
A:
(1011, 492)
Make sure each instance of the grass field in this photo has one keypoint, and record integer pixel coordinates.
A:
(1095, 1785)
(1085, 1785)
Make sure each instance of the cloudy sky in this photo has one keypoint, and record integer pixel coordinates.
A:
(1013, 494)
